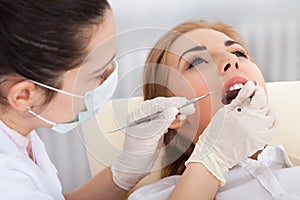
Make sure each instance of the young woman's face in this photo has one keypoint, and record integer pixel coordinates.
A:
(209, 60)
(88, 76)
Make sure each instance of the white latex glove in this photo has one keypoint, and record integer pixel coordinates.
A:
(232, 136)
(140, 148)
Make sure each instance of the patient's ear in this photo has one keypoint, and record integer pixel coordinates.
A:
(176, 124)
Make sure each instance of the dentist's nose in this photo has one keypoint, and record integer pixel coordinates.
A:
(228, 63)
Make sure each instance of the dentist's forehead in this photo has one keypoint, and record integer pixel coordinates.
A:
(100, 57)
(102, 45)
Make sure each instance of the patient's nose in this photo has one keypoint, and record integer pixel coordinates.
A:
(229, 62)
(229, 65)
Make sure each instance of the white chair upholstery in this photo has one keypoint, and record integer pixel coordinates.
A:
(283, 97)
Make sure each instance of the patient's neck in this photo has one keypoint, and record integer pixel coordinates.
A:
(254, 156)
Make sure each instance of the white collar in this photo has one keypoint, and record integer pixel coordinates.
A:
(19, 140)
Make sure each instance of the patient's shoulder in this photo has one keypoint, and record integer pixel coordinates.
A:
(275, 155)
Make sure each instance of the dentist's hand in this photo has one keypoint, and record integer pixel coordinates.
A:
(232, 136)
(141, 145)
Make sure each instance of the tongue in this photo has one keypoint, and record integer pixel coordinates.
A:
(229, 96)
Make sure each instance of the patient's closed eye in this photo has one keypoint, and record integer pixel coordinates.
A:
(240, 53)
(195, 62)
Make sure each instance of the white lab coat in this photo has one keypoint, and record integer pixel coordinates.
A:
(269, 177)
(21, 178)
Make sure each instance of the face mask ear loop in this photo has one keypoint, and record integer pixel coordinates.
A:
(57, 90)
(40, 117)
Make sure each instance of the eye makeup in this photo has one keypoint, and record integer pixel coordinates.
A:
(103, 76)
(239, 52)
(194, 61)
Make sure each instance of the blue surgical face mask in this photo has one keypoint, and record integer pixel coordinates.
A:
(93, 100)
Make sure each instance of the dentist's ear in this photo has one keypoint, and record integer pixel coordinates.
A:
(21, 95)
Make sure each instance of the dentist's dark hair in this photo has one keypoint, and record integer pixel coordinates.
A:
(41, 39)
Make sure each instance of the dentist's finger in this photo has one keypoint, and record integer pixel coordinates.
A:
(259, 99)
(159, 104)
(246, 91)
(187, 110)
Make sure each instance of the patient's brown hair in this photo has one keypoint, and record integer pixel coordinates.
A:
(177, 148)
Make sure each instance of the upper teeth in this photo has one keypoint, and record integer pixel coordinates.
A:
(236, 86)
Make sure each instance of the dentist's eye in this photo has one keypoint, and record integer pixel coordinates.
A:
(107, 72)
(102, 77)
(195, 62)
(240, 53)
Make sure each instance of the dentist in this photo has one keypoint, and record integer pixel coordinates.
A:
(48, 79)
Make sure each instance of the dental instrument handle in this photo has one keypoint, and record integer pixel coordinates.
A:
(140, 121)
(146, 119)
(194, 100)
(156, 115)
(244, 104)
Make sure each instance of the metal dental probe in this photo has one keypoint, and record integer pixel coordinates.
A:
(155, 115)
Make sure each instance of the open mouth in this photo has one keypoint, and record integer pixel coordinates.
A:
(232, 88)
(231, 93)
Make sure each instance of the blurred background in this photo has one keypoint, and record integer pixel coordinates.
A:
(270, 28)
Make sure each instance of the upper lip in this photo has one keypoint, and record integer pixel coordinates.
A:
(232, 81)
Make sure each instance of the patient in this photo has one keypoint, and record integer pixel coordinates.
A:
(189, 56)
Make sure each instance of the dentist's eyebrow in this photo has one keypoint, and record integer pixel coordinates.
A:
(105, 65)
(196, 48)
(231, 42)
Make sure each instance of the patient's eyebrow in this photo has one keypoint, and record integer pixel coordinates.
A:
(196, 48)
(231, 42)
